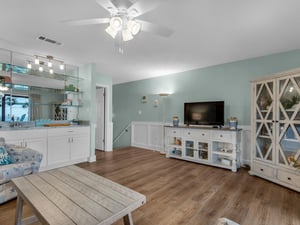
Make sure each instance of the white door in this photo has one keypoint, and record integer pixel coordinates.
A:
(100, 127)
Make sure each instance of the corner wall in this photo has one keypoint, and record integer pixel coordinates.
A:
(91, 78)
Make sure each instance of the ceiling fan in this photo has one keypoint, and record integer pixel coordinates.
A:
(123, 25)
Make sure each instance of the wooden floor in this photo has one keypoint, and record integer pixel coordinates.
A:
(185, 193)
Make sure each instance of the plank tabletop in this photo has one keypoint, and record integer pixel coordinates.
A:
(71, 195)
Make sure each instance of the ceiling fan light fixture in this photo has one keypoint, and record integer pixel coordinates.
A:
(126, 34)
(134, 27)
(111, 31)
(116, 23)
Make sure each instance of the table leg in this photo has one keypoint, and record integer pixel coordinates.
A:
(128, 219)
(18, 219)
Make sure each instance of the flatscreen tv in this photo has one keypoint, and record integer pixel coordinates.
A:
(204, 113)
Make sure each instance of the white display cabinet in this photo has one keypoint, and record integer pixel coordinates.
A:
(276, 129)
(216, 147)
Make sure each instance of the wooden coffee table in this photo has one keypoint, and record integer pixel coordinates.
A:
(71, 195)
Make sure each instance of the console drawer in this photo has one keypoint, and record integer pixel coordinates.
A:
(174, 132)
(197, 133)
(263, 170)
(223, 136)
(288, 178)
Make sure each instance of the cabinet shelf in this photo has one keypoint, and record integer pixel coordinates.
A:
(222, 153)
(73, 92)
(69, 106)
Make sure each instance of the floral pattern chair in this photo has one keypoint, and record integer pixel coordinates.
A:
(16, 161)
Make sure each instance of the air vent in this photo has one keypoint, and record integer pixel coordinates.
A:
(49, 40)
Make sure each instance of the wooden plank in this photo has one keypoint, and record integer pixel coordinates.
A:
(66, 205)
(89, 192)
(106, 190)
(78, 198)
(45, 210)
(29, 220)
(113, 185)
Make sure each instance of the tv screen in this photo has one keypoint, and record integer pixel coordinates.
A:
(204, 113)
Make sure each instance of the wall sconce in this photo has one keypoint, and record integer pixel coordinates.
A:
(144, 99)
(163, 94)
(155, 103)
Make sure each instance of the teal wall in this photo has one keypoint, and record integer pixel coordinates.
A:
(229, 82)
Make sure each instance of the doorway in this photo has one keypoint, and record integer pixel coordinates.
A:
(100, 118)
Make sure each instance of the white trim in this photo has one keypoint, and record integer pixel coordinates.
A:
(245, 144)
(150, 142)
(108, 124)
(92, 158)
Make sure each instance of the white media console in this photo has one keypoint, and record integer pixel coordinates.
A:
(211, 146)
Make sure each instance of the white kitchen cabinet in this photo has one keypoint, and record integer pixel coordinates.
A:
(60, 146)
(68, 145)
(58, 150)
(35, 139)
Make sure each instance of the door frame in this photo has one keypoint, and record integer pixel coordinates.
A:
(107, 124)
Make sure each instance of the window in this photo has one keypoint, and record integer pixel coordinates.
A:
(15, 107)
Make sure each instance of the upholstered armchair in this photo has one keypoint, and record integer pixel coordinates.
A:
(19, 161)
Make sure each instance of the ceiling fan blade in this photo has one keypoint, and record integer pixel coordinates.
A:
(106, 4)
(122, 3)
(143, 6)
(155, 29)
(87, 21)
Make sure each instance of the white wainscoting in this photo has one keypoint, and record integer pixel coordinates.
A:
(150, 135)
(246, 145)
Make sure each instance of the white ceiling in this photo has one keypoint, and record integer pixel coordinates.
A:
(206, 32)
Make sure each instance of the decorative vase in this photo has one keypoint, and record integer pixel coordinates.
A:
(233, 123)
(175, 121)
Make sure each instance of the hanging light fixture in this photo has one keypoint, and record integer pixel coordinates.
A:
(29, 66)
(36, 60)
(62, 66)
(44, 62)
(50, 58)
(41, 69)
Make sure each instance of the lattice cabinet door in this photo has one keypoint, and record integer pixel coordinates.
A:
(265, 119)
(288, 140)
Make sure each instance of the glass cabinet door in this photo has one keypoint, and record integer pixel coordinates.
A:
(289, 122)
(264, 126)
(189, 149)
(202, 150)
